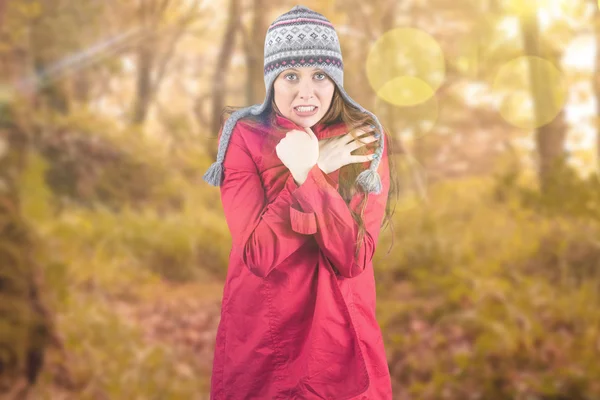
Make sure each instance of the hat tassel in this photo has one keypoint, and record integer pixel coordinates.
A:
(370, 181)
(214, 174)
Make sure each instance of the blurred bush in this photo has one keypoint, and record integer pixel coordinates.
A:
(92, 160)
(489, 298)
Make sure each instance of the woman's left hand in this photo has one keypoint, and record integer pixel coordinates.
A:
(336, 152)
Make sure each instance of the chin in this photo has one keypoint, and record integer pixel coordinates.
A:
(307, 122)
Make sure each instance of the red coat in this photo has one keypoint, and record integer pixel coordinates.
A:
(298, 314)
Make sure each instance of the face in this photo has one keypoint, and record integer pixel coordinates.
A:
(303, 86)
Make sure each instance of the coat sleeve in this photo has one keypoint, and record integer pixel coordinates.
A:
(336, 230)
(264, 233)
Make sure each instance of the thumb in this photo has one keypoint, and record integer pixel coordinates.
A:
(310, 132)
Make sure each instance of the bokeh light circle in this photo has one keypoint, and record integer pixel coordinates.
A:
(414, 121)
(513, 83)
(405, 66)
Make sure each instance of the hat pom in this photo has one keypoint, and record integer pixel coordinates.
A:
(370, 181)
(214, 174)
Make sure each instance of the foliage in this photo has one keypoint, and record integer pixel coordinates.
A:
(91, 161)
(491, 300)
(566, 192)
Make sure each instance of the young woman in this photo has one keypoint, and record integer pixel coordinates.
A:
(305, 183)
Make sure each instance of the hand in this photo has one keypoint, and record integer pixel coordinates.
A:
(334, 153)
(299, 152)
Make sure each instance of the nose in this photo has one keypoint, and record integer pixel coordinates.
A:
(306, 90)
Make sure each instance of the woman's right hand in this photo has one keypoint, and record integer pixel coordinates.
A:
(334, 153)
(299, 152)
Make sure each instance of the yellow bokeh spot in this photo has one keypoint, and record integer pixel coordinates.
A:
(414, 121)
(530, 7)
(521, 7)
(405, 66)
(405, 90)
(533, 91)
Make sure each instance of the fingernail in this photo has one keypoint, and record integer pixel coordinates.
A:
(377, 134)
(372, 126)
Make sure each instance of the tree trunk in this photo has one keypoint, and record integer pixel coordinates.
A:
(254, 54)
(387, 23)
(596, 82)
(143, 82)
(24, 328)
(2, 9)
(50, 92)
(157, 48)
(222, 66)
(550, 138)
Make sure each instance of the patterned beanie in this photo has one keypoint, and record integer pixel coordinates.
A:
(300, 37)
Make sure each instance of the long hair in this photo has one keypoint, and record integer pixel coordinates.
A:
(341, 111)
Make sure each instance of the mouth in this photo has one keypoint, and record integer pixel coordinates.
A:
(306, 111)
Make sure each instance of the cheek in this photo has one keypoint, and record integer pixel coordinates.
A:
(281, 95)
(327, 94)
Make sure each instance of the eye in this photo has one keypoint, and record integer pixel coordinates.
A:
(292, 74)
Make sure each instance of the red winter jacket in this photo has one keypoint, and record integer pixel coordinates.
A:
(291, 327)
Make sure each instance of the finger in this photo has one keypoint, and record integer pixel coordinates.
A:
(362, 142)
(362, 158)
(366, 139)
(368, 128)
(358, 132)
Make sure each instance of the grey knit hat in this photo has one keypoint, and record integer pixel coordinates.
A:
(300, 37)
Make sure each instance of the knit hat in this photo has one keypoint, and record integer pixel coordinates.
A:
(300, 37)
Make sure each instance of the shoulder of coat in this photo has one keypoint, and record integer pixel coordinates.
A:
(247, 124)
(246, 133)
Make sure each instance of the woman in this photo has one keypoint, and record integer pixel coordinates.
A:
(298, 311)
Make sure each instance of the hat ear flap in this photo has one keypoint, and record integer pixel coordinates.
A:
(214, 174)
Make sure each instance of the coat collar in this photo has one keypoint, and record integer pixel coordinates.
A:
(321, 130)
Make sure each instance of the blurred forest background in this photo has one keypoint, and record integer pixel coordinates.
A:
(113, 250)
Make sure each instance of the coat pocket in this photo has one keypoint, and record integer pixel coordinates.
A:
(336, 365)
(303, 222)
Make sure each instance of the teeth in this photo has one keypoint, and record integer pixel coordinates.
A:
(305, 109)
